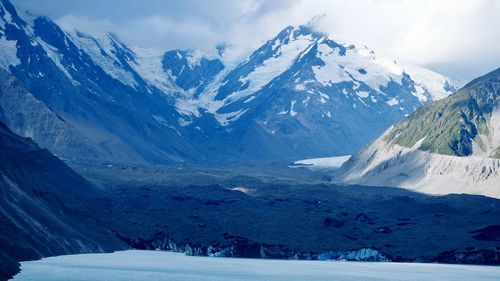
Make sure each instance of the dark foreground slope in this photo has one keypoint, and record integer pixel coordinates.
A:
(45, 207)
(269, 216)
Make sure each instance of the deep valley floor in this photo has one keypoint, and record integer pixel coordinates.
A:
(277, 212)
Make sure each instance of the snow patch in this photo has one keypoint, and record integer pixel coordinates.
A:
(226, 118)
(300, 87)
(54, 54)
(187, 107)
(432, 83)
(363, 94)
(420, 93)
(293, 113)
(325, 163)
(393, 102)
(8, 53)
(248, 191)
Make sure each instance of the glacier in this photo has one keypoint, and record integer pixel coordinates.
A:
(137, 265)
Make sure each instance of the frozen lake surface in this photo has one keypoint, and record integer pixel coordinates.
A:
(159, 266)
(325, 163)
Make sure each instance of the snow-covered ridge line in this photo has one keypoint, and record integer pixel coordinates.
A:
(104, 53)
(360, 64)
(355, 64)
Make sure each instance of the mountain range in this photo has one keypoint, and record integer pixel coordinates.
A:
(300, 95)
(120, 114)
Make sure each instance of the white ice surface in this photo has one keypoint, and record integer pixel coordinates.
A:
(8, 53)
(149, 66)
(166, 266)
(322, 163)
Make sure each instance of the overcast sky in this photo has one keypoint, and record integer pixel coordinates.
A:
(459, 38)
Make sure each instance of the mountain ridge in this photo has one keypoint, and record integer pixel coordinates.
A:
(450, 146)
(287, 100)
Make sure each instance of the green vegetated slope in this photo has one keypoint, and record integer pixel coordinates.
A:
(449, 126)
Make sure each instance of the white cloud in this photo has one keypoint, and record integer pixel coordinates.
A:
(84, 23)
(459, 38)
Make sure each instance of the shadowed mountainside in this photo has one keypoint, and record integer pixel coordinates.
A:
(46, 208)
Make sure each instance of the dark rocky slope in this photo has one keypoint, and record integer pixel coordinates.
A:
(46, 208)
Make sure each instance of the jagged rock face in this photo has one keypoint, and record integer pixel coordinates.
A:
(299, 95)
(450, 146)
(27, 116)
(45, 207)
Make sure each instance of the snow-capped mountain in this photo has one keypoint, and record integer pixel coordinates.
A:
(302, 93)
(94, 89)
(450, 146)
(299, 95)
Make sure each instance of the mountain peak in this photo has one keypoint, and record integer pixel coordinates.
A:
(310, 28)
